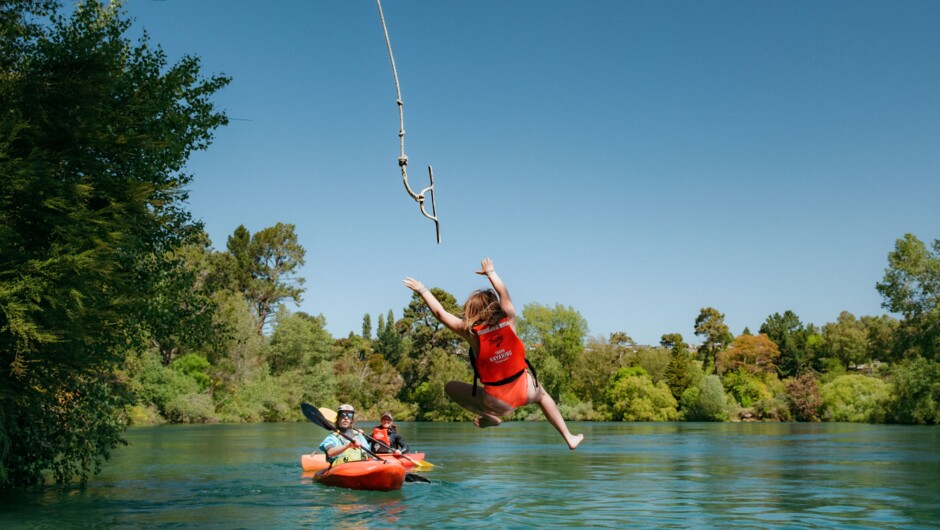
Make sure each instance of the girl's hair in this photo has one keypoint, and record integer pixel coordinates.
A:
(482, 307)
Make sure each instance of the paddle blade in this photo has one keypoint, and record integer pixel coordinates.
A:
(330, 415)
(413, 477)
(423, 464)
(314, 415)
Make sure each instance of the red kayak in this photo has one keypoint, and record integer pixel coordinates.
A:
(364, 475)
(317, 461)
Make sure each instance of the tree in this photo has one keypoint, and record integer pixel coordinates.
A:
(425, 334)
(367, 327)
(916, 392)
(267, 266)
(388, 342)
(911, 287)
(181, 309)
(554, 339)
(598, 362)
(788, 333)
(880, 331)
(804, 396)
(711, 325)
(632, 396)
(754, 353)
(846, 339)
(856, 398)
(679, 371)
(705, 401)
(94, 132)
(299, 341)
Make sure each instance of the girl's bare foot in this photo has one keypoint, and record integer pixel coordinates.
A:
(486, 420)
(574, 441)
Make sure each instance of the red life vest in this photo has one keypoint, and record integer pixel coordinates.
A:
(501, 358)
(381, 435)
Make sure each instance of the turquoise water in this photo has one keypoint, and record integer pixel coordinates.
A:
(640, 475)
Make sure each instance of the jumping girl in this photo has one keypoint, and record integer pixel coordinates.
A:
(497, 356)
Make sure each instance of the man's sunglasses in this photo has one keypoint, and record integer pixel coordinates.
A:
(346, 415)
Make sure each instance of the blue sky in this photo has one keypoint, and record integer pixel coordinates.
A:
(637, 161)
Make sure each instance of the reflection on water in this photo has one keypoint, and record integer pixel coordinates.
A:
(653, 475)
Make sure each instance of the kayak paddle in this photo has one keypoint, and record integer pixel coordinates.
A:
(317, 417)
(327, 413)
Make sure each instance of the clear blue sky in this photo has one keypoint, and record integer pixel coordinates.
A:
(637, 161)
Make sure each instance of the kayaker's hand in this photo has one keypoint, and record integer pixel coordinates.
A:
(397, 452)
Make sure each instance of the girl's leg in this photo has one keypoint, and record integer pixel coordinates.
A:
(553, 415)
(462, 393)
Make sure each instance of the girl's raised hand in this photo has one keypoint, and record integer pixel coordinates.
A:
(413, 284)
(486, 266)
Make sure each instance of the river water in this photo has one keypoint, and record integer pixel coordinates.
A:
(638, 475)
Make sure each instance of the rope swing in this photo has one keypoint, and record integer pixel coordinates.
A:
(402, 158)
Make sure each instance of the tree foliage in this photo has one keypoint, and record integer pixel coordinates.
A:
(855, 397)
(916, 396)
(752, 353)
(710, 324)
(846, 339)
(633, 396)
(706, 401)
(793, 340)
(554, 339)
(911, 287)
(267, 265)
(94, 132)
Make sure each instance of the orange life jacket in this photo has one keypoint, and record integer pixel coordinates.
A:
(381, 435)
(501, 359)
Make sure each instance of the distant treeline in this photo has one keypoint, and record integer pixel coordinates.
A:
(115, 308)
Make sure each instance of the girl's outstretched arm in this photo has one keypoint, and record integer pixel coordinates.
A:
(450, 321)
(505, 302)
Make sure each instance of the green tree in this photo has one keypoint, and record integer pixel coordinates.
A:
(790, 336)
(916, 392)
(554, 339)
(267, 267)
(425, 334)
(181, 309)
(880, 331)
(598, 362)
(911, 287)
(678, 373)
(388, 342)
(710, 324)
(94, 132)
(633, 396)
(705, 401)
(856, 398)
(846, 339)
(299, 341)
(367, 327)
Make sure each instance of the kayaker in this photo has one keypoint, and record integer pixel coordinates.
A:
(497, 356)
(339, 449)
(387, 438)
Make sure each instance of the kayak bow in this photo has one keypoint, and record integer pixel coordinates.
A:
(364, 475)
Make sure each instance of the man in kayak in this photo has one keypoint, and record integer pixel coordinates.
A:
(497, 356)
(338, 449)
(387, 438)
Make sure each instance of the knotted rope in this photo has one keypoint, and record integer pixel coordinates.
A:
(402, 158)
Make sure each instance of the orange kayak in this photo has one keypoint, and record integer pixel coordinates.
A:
(364, 475)
(316, 462)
